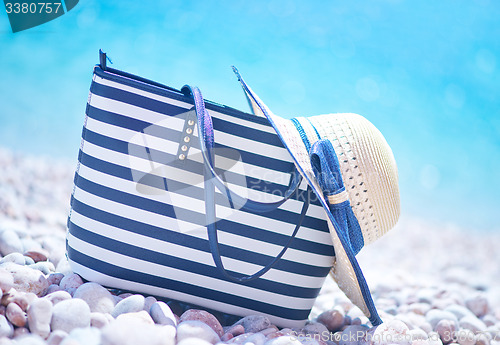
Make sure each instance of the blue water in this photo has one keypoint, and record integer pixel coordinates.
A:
(426, 73)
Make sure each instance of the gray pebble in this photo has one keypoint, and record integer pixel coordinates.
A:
(254, 323)
(98, 298)
(70, 314)
(55, 278)
(39, 315)
(56, 337)
(162, 314)
(314, 328)
(473, 323)
(10, 242)
(53, 288)
(196, 329)
(352, 335)
(6, 328)
(27, 279)
(15, 257)
(130, 304)
(148, 302)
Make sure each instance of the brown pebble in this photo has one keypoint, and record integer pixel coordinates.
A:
(16, 315)
(37, 255)
(332, 319)
(269, 330)
(71, 281)
(203, 316)
(227, 336)
(236, 330)
(446, 330)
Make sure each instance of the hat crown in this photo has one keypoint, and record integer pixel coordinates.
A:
(368, 170)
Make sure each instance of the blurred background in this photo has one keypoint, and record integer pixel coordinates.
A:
(426, 73)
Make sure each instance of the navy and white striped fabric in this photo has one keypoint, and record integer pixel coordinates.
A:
(137, 219)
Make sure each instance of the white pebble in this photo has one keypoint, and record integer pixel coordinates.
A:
(196, 329)
(98, 298)
(39, 315)
(130, 304)
(70, 314)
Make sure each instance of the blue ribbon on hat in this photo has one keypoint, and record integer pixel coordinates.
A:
(326, 169)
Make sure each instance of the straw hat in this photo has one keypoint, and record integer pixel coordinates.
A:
(363, 204)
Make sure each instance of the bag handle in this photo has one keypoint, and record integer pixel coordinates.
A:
(206, 136)
(205, 130)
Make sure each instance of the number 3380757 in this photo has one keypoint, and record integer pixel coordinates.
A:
(40, 7)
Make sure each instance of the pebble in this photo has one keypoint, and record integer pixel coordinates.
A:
(6, 281)
(98, 298)
(433, 316)
(15, 257)
(284, 340)
(30, 339)
(71, 281)
(56, 337)
(6, 328)
(148, 302)
(39, 316)
(70, 314)
(27, 279)
(256, 339)
(473, 323)
(458, 310)
(390, 332)
(203, 316)
(446, 330)
(477, 304)
(139, 316)
(162, 314)
(128, 332)
(46, 267)
(10, 242)
(196, 329)
(37, 255)
(58, 296)
(193, 341)
(55, 278)
(83, 336)
(53, 288)
(332, 319)
(20, 331)
(254, 323)
(465, 337)
(130, 304)
(98, 320)
(16, 315)
(351, 335)
(28, 261)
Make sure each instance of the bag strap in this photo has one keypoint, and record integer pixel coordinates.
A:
(205, 130)
(206, 135)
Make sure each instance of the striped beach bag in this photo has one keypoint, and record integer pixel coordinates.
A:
(193, 201)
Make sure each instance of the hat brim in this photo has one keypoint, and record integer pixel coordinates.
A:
(345, 270)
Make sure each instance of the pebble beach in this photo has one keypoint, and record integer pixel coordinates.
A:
(432, 284)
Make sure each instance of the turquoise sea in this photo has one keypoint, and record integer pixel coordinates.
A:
(426, 73)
